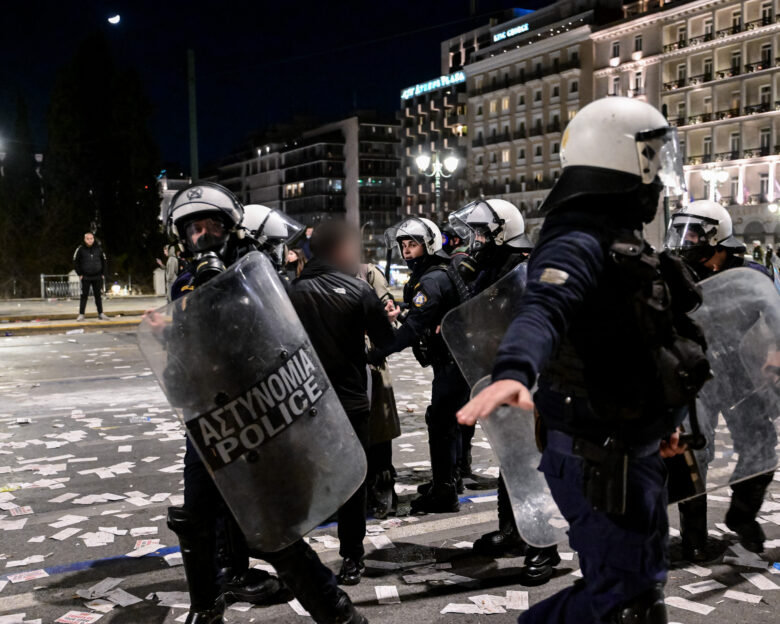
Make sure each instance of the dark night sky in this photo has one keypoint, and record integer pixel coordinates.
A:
(258, 62)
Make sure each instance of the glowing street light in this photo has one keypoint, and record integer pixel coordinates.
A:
(439, 169)
(115, 19)
(714, 177)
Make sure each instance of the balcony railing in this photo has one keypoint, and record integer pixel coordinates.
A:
(734, 70)
(698, 160)
(721, 156)
(757, 108)
(726, 114)
(554, 127)
(498, 138)
(674, 84)
(534, 75)
(758, 66)
(519, 134)
(723, 32)
(478, 142)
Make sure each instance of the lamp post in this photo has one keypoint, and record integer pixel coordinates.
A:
(714, 177)
(438, 169)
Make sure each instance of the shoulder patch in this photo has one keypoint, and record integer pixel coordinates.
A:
(554, 276)
(420, 299)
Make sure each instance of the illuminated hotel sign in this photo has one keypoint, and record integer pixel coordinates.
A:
(432, 85)
(512, 32)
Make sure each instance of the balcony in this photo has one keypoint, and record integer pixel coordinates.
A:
(726, 114)
(762, 21)
(700, 39)
(534, 75)
(723, 32)
(478, 142)
(726, 32)
(554, 127)
(674, 84)
(498, 138)
(757, 152)
(699, 79)
(757, 108)
(734, 70)
(519, 134)
(698, 160)
(754, 67)
(721, 156)
(676, 45)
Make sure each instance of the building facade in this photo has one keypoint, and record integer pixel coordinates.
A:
(712, 67)
(523, 89)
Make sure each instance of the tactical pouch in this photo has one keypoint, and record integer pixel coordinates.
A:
(605, 475)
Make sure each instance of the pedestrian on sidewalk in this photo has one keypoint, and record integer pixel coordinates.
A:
(172, 268)
(89, 261)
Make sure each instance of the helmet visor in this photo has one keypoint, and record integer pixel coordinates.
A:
(204, 234)
(659, 155)
(477, 213)
(690, 231)
(410, 229)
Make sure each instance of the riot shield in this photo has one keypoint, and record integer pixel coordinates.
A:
(237, 366)
(473, 332)
(740, 317)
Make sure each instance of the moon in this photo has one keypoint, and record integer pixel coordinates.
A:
(114, 19)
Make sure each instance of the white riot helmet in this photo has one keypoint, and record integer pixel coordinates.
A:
(423, 231)
(270, 229)
(203, 204)
(614, 145)
(699, 229)
(491, 220)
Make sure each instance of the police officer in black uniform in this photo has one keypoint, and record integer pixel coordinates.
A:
(207, 218)
(497, 244)
(433, 289)
(599, 321)
(702, 233)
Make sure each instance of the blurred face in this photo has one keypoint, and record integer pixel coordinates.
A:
(292, 256)
(309, 231)
(89, 239)
(411, 249)
(346, 257)
(204, 233)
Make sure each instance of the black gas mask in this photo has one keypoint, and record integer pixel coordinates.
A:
(648, 196)
(208, 239)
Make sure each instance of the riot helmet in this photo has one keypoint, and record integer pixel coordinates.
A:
(450, 238)
(270, 230)
(700, 229)
(619, 145)
(421, 230)
(491, 221)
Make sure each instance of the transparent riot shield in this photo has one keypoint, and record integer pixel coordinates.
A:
(237, 366)
(740, 317)
(473, 332)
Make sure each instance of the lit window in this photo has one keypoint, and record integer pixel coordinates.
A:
(493, 105)
(505, 156)
(505, 103)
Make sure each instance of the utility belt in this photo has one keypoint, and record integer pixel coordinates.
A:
(430, 350)
(605, 467)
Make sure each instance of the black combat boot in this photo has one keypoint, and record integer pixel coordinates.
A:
(647, 608)
(425, 488)
(382, 497)
(438, 499)
(506, 542)
(696, 545)
(198, 547)
(539, 565)
(239, 582)
(314, 585)
(746, 500)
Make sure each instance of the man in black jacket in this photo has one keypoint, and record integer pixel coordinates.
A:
(338, 310)
(89, 261)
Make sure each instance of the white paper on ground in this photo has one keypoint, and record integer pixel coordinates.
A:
(698, 570)
(387, 594)
(689, 605)
(381, 542)
(298, 607)
(760, 581)
(742, 596)
(79, 617)
(516, 600)
(461, 608)
(702, 586)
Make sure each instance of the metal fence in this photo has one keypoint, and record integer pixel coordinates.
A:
(59, 286)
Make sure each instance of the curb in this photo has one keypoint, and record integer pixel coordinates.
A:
(64, 317)
(8, 330)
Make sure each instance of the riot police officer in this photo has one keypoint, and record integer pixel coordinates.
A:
(271, 232)
(702, 233)
(433, 289)
(207, 219)
(595, 324)
(497, 244)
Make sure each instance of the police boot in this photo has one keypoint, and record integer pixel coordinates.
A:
(696, 545)
(425, 488)
(441, 498)
(384, 500)
(506, 542)
(647, 608)
(197, 553)
(239, 582)
(746, 500)
(314, 585)
(539, 565)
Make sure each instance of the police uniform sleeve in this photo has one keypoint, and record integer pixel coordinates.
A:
(423, 312)
(561, 272)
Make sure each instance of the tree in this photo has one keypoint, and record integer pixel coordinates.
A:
(20, 207)
(100, 165)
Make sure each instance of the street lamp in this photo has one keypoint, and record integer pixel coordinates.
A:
(438, 169)
(714, 177)
(114, 19)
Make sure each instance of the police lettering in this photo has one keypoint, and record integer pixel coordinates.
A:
(261, 413)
